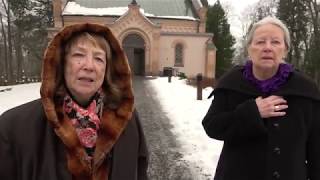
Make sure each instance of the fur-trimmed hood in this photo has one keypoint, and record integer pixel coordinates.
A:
(113, 121)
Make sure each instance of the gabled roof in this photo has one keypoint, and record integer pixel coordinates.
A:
(155, 8)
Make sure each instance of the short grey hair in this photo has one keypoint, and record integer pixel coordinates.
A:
(274, 21)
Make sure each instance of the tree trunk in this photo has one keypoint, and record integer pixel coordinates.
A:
(10, 77)
(5, 48)
(10, 70)
(19, 56)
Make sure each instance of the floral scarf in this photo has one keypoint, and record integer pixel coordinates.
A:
(86, 121)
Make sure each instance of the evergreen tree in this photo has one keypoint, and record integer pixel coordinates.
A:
(294, 14)
(217, 23)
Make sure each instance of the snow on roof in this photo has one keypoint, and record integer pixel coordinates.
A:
(177, 17)
(72, 8)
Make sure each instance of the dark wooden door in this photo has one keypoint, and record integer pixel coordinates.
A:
(134, 45)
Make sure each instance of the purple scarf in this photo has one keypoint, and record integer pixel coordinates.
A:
(269, 85)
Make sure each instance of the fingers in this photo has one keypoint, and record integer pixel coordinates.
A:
(280, 107)
(277, 100)
(272, 97)
(271, 106)
(276, 113)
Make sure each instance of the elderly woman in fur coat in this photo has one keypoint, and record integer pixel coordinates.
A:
(85, 125)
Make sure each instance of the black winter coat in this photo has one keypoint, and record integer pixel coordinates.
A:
(286, 148)
(30, 149)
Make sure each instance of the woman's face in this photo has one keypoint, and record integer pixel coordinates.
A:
(267, 48)
(84, 70)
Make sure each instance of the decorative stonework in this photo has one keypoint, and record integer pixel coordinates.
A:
(147, 45)
(176, 28)
(134, 19)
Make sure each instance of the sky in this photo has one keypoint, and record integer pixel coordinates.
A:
(181, 107)
(236, 8)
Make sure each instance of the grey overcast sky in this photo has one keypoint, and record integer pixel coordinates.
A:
(236, 8)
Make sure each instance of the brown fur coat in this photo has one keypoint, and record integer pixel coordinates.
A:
(120, 137)
(113, 121)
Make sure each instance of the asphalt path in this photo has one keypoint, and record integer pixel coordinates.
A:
(166, 161)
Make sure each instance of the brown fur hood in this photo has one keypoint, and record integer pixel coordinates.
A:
(113, 121)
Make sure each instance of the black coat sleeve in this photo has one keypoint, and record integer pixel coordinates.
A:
(7, 163)
(143, 157)
(229, 121)
(313, 145)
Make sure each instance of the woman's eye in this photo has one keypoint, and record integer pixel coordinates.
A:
(99, 59)
(260, 42)
(275, 42)
(77, 54)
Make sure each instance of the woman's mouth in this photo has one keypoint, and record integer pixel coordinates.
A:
(267, 58)
(86, 79)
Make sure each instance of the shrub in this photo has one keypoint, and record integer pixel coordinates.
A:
(182, 75)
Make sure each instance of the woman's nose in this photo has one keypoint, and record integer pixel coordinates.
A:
(267, 46)
(89, 63)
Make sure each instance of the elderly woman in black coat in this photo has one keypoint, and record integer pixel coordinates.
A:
(84, 127)
(267, 113)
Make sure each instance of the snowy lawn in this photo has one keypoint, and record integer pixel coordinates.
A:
(186, 113)
(178, 101)
(17, 95)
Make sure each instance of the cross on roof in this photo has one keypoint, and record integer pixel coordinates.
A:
(134, 2)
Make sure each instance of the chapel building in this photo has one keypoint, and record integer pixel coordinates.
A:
(156, 35)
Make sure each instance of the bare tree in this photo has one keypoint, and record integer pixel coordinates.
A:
(249, 16)
(19, 53)
(9, 39)
(314, 43)
(3, 33)
(313, 8)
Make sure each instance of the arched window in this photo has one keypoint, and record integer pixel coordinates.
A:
(178, 55)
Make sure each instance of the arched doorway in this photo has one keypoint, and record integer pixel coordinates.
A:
(134, 46)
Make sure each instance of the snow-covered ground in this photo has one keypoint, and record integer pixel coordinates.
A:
(17, 95)
(178, 101)
(186, 113)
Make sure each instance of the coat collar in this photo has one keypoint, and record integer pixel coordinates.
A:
(113, 121)
(297, 85)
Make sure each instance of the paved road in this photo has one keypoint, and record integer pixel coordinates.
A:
(165, 157)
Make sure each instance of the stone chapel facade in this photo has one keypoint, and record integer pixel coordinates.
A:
(155, 34)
